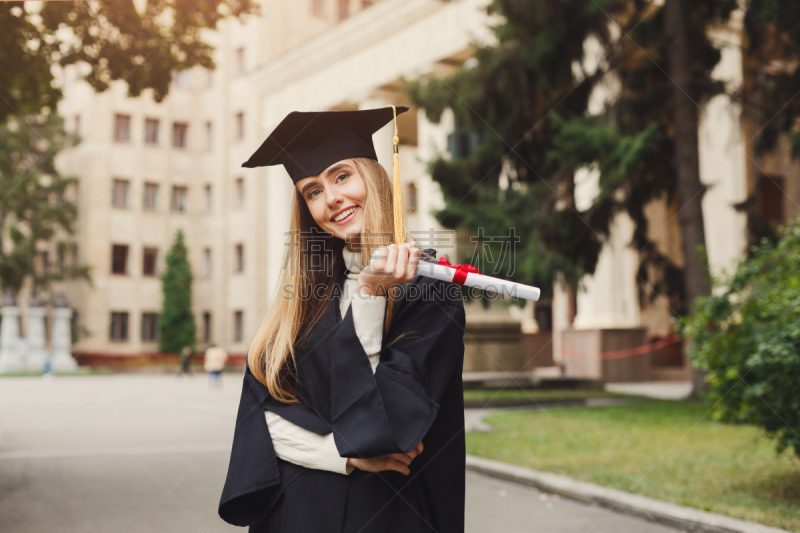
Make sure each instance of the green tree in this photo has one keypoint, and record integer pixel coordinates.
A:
(746, 337)
(176, 324)
(527, 103)
(142, 45)
(771, 86)
(36, 217)
(504, 172)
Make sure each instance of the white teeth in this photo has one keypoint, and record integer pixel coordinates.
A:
(344, 215)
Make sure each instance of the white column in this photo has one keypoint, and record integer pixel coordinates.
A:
(609, 297)
(10, 352)
(560, 310)
(34, 357)
(723, 158)
(526, 316)
(62, 342)
(432, 143)
(381, 139)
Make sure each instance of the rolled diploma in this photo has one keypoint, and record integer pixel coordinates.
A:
(480, 281)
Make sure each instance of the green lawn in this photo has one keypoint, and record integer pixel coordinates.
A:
(666, 450)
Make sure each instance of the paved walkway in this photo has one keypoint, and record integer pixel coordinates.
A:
(659, 390)
(148, 453)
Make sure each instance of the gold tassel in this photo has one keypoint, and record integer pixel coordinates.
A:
(399, 229)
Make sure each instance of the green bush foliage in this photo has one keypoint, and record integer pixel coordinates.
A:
(746, 337)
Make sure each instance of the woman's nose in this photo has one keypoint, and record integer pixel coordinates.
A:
(334, 199)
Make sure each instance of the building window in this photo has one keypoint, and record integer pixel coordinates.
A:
(238, 319)
(318, 8)
(543, 313)
(344, 9)
(411, 200)
(239, 126)
(180, 197)
(119, 259)
(179, 132)
(462, 143)
(119, 326)
(770, 198)
(207, 262)
(122, 128)
(207, 199)
(206, 327)
(239, 258)
(73, 326)
(181, 79)
(208, 137)
(149, 326)
(150, 196)
(76, 260)
(149, 261)
(43, 264)
(77, 125)
(62, 260)
(239, 194)
(240, 70)
(151, 131)
(121, 188)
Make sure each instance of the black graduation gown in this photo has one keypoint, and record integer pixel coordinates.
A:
(416, 394)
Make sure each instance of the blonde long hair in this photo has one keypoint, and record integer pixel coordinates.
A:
(291, 318)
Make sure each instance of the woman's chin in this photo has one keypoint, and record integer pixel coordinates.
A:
(350, 231)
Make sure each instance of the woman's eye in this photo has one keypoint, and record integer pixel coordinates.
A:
(340, 176)
(313, 194)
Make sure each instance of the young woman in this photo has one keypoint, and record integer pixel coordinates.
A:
(351, 417)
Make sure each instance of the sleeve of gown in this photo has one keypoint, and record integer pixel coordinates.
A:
(391, 410)
(303, 447)
(254, 481)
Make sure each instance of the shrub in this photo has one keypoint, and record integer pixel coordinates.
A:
(746, 337)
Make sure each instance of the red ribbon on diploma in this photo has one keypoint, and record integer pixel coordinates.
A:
(461, 270)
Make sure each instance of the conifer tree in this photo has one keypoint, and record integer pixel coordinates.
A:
(504, 172)
(176, 324)
(525, 102)
(770, 97)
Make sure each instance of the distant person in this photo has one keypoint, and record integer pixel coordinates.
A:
(186, 353)
(47, 369)
(215, 358)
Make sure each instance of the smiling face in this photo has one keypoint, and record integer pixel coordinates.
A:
(336, 199)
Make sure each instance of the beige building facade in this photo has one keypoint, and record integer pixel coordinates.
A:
(146, 170)
(317, 55)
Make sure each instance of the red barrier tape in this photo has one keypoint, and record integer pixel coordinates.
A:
(621, 354)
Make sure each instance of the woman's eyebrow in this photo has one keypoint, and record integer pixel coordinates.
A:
(335, 168)
(309, 184)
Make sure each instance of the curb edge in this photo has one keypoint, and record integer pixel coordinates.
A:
(670, 514)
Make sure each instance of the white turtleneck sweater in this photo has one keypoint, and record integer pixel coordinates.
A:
(300, 446)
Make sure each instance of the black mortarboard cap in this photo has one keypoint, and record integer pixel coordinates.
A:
(306, 143)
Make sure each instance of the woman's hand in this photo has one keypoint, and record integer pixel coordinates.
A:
(398, 462)
(394, 264)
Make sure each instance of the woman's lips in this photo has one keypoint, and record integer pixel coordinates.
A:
(348, 218)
